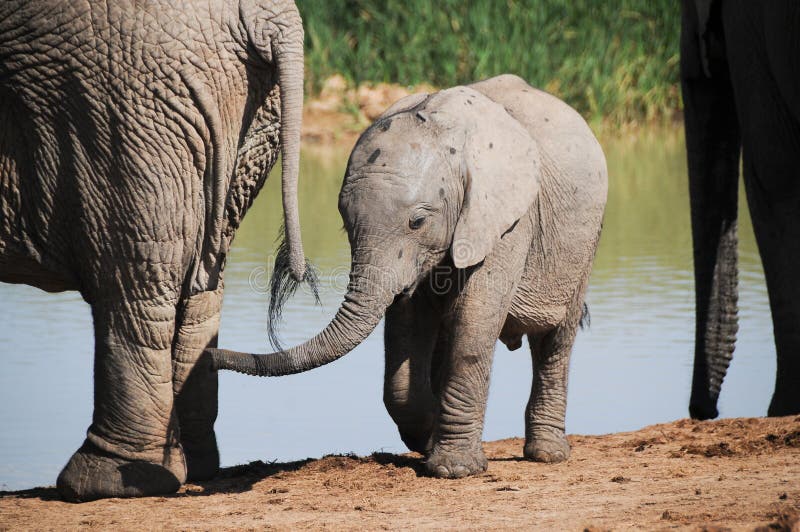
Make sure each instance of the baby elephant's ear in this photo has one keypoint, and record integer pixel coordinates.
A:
(501, 170)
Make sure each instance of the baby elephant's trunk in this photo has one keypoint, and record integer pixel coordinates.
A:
(356, 318)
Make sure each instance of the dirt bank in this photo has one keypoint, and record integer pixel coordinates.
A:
(735, 473)
(340, 113)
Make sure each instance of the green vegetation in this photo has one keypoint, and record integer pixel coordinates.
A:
(616, 62)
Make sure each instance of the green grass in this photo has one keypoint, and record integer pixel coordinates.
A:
(616, 62)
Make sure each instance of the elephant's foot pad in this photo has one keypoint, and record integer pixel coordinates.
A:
(548, 446)
(95, 474)
(455, 463)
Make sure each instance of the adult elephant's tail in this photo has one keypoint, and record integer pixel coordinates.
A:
(287, 47)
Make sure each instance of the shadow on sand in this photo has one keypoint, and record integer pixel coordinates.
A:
(241, 478)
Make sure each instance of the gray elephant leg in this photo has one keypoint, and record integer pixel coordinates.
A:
(457, 450)
(410, 336)
(545, 440)
(476, 320)
(194, 384)
(131, 448)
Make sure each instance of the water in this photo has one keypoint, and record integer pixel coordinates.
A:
(631, 368)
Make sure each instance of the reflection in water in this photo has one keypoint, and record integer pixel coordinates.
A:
(631, 368)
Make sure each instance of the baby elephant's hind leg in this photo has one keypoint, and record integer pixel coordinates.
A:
(545, 440)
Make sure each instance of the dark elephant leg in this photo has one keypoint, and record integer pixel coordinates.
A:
(777, 229)
(131, 448)
(410, 334)
(194, 384)
(713, 148)
(764, 54)
(545, 440)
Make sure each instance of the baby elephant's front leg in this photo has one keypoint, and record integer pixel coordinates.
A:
(469, 333)
(457, 451)
(410, 337)
(468, 341)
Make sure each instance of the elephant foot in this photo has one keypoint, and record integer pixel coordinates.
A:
(547, 445)
(418, 441)
(702, 411)
(456, 463)
(93, 474)
(202, 460)
(784, 406)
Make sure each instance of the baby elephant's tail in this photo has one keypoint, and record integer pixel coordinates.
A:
(586, 318)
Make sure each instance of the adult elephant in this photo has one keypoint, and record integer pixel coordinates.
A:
(133, 138)
(740, 75)
(473, 214)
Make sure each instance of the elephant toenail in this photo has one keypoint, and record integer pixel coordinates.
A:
(460, 472)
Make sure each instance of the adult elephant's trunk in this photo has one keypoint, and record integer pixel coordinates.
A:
(363, 307)
(289, 60)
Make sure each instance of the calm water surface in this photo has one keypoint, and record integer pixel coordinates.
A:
(631, 368)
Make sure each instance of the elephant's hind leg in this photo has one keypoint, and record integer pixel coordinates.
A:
(778, 235)
(131, 448)
(545, 440)
(410, 337)
(194, 384)
(764, 56)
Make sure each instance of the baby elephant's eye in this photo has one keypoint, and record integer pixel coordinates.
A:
(416, 223)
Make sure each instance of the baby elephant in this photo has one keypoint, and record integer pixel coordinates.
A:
(473, 214)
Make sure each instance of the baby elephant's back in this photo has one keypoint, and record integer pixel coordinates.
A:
(569, 150)
(568, 213)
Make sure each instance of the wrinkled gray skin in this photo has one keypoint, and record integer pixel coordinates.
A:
(133, 138)
(473, 214)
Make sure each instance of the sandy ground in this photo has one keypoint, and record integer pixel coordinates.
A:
(736, 473)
